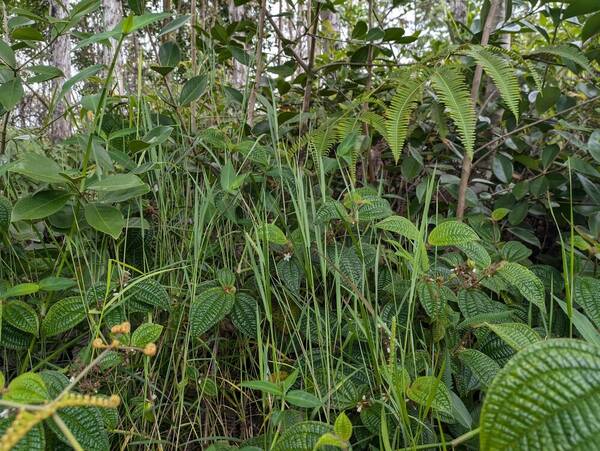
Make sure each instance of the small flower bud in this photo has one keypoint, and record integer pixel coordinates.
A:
(98, 343)
(150, 350)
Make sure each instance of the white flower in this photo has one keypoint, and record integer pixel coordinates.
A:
(287, 256)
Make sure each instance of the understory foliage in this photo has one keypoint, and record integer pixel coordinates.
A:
(241, 246)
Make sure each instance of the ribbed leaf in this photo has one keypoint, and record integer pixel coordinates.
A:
(473, 302)
(28, 388)
(431, 298)
(483, 367)
(63, 315)
(428, 391)
(21, 316)
(146, 333)
(517, 335)
(399, 225)
(34, 440)
(477, 253)
(151, 292)
(208, 309)
(301, 436)
(290, 273)
(587, 294)
(450, 86)
(528, 284)
(503, 75)
(545, 398)
(244, 314)
(398, 114)
(452, 233)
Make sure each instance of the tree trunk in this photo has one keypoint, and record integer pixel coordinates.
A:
(113, 14)
(61, 58)
(236, 13)
(458, 8)
(258, 62)
(489, 26)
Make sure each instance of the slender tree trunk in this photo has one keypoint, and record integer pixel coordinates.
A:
(312, 20)
(113, 14)
(193, 57)
(259, 63)
(236, 13)
(490, 24)
(61, 58)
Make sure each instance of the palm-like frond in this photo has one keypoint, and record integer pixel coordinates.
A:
(398, 114)
(503, 75)
(569, 53)
(450, 86)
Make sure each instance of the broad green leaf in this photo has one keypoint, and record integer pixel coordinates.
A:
(192, 89)
(245, 314)
(263, 386)
(301, 436)
(591, 27)
(39, 168)
(56, 283)
(343, 427)
(63, 316)
(22, 289)
(28, 388)
(208, 309)
(11, 93)
(174, 25)
(517, 335)
(302, 398)
(587, 294)
(21, 316)
(476, 252)
(430, 392)
(483, 367)
(104, 218)
(151, 293)
(80, 76)
(399, 225)
(117, 182)
(27, 34)
(146, 333)
(452, 233)
(528, 284)
(583, 325)
(142, 21)
(7, 54)
(545, 398)
(272, 233)
(34, 440)
(40, 205)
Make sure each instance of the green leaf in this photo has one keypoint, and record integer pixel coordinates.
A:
(517, 335)
(452, 233)
(40, 205)
(500, 213)
(587, 294)
(398, 114)
(39, 168)
(21, 316)
(302, 398)
(581, 322)
(450, 86)
(80, 76)
(34, 440)
(28, 388)
(146, 333)
(117, 182)
(263, 386)
(343, 427)
(11, 93)
(301, 436)
(7, 54)
(174, 25)
(245, 314)
(208, 309)
(193, 89)
(63, 316)
(546, 397)
(329, 439)
(272, 233)
(105, 219)
(477, 253)
(27, 34)
(169, 55)
(399, 225)
(430, 392)
(503, 75)
(56, 283)
(569, 53)
(139, 22)
(483, 367)
(591, 27)
(580, 8)
(151, 293)
(22, 289)
(525, 281)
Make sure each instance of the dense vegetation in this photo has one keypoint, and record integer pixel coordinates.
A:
(316, 224)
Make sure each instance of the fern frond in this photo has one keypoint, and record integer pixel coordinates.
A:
(517, 57)
(374, 121)
(567, 52)
(398, 114)
(450, 86)
(503, 75)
